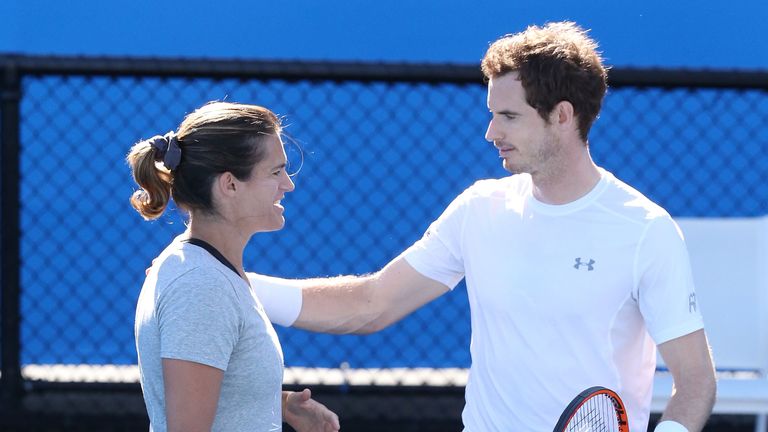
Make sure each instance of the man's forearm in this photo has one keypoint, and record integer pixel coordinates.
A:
(689, 359)
(357, 304)
(342, 304)
(691, 405)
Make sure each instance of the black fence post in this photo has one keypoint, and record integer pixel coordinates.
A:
(10, 98)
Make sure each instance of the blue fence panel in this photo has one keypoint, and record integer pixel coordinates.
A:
(381, 160)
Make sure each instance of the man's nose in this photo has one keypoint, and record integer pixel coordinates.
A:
(491, 134)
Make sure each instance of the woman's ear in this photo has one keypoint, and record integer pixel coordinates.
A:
(226, 184)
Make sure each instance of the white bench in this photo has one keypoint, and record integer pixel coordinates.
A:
(729, 258)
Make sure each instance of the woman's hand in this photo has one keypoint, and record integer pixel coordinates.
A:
(305, 414)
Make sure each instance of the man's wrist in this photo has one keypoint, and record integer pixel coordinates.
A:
(670, 426)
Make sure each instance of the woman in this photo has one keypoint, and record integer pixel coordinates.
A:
(209, 357)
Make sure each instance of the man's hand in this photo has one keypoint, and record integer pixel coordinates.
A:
(304, 414)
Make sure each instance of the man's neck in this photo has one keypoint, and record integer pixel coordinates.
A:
(567, 182)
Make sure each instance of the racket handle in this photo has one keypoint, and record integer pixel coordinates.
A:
(670, 426)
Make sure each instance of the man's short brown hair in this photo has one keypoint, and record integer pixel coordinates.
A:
(557, 62)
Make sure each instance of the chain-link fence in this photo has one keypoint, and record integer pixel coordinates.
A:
(384, 150)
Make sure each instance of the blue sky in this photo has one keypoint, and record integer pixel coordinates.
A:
(683, 33)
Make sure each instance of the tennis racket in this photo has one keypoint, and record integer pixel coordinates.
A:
(596, 409)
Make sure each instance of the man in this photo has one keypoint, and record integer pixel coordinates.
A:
(573, 277)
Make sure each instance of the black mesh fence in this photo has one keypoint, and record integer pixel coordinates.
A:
(381, 155)
(380, 160)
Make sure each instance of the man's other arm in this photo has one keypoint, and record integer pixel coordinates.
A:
(690, 362)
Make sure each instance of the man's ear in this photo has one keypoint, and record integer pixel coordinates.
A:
(563, 115)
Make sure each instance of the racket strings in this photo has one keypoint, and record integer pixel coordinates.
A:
(597, 414)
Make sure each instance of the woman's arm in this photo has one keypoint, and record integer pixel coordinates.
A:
(191, 395)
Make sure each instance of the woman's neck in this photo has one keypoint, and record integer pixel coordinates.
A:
(227, 239)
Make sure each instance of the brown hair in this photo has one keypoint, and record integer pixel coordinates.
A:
(216, 138)
(557, 62)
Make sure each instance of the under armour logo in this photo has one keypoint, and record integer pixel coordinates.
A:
(590, 264)
(692, 302)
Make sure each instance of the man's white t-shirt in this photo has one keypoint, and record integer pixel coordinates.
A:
(562, 297)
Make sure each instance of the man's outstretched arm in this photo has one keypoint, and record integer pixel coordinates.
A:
(349, 304)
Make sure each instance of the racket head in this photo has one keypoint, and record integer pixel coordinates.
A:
(594, 409)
